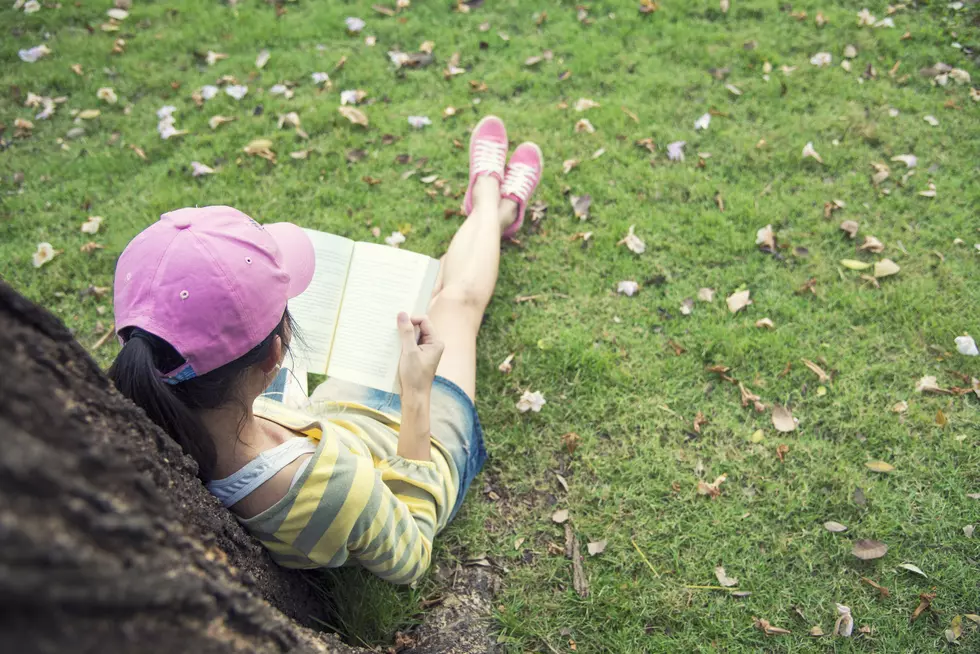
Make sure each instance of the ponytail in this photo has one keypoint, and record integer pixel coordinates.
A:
(176, 408)
(135, 375)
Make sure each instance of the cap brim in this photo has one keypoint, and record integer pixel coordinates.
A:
(298, 256)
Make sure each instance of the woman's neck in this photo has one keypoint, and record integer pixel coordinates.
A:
(238, 438)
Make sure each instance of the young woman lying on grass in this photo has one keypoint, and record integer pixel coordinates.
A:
(359, 474)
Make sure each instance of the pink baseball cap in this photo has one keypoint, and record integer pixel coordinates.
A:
(210, 281)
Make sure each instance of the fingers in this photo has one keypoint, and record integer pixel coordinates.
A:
(406, 331)
(427, 334)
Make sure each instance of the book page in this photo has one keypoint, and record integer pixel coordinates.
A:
(315, 310)
(382, 282)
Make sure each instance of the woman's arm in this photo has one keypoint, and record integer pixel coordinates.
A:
(416, 372)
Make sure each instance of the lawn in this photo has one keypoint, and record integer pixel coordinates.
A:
(628, 375)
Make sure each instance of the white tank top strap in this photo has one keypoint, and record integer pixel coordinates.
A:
(235, 487)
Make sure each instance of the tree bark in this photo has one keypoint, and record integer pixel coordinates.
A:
(108, 541)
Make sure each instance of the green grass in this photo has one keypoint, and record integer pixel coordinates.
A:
(603, 361)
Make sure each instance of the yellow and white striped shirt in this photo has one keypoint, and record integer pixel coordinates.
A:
(357, 500)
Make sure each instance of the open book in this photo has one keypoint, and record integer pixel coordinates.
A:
(347, 318)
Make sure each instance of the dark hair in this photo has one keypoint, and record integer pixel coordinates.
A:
(135, 372)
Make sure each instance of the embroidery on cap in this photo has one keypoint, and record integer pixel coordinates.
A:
(184, 295)
(129, 276)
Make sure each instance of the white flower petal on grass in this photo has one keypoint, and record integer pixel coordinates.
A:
(198, 169)
(702, 122)
(354, 24)
(30, 55)
(865, 18)
(350, 96)
(808, 151)
(213, 57)
(909, 160)
(262, 59)
(117, 13)
(396, 239)
(966, 346)
(821, 59)
(106, 94)
(45, 253)
(845, 622)
(166, 111)
(675, 150)
(237, 91)
(531, 402)
(885, 22)
(208, 91)
(320, 78)
(932, 120)
(960, 76)
(31, 6)
(91, 226)
(627, 288)
(418, 122)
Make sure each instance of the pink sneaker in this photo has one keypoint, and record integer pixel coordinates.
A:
(520, 180)
(488, 152)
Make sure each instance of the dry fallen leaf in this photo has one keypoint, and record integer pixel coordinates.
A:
(724, 579)
(912, 568)
(45, 253)
(867, 550)
(260, 148)
(633, 242)
(816, 631)
(782, 419)
(713, 489)
(768, 629)
(580, 205)
(808, 151)
(216, 121)
(706, 294)
(597, 547)
(560, 516)
(92, 224)
(355, 116)
(900, 407)
(885, 268)
(879, 466)
(765, 238)
(583, 125)
(834, 527)
(871, 244)
(568, 165)
(584, 104)
(571, 441)
(506, 366)
(849, 227)
(738, 301)
(928, 384)
(817, 370)
(925, 603)
(765, 323)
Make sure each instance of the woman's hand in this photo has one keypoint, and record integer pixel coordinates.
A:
(417, 367)
(416, 371)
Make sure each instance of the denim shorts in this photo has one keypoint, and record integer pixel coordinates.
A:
(453, 422)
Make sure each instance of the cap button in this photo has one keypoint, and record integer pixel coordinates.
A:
(182, 223)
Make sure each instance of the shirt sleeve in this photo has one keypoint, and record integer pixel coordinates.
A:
(393, 536)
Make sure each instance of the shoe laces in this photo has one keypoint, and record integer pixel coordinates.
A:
(520, 180)
(489, 156)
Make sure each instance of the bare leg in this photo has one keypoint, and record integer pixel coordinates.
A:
(468, 276)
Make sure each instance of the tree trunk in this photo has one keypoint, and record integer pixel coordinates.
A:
(108, 541)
